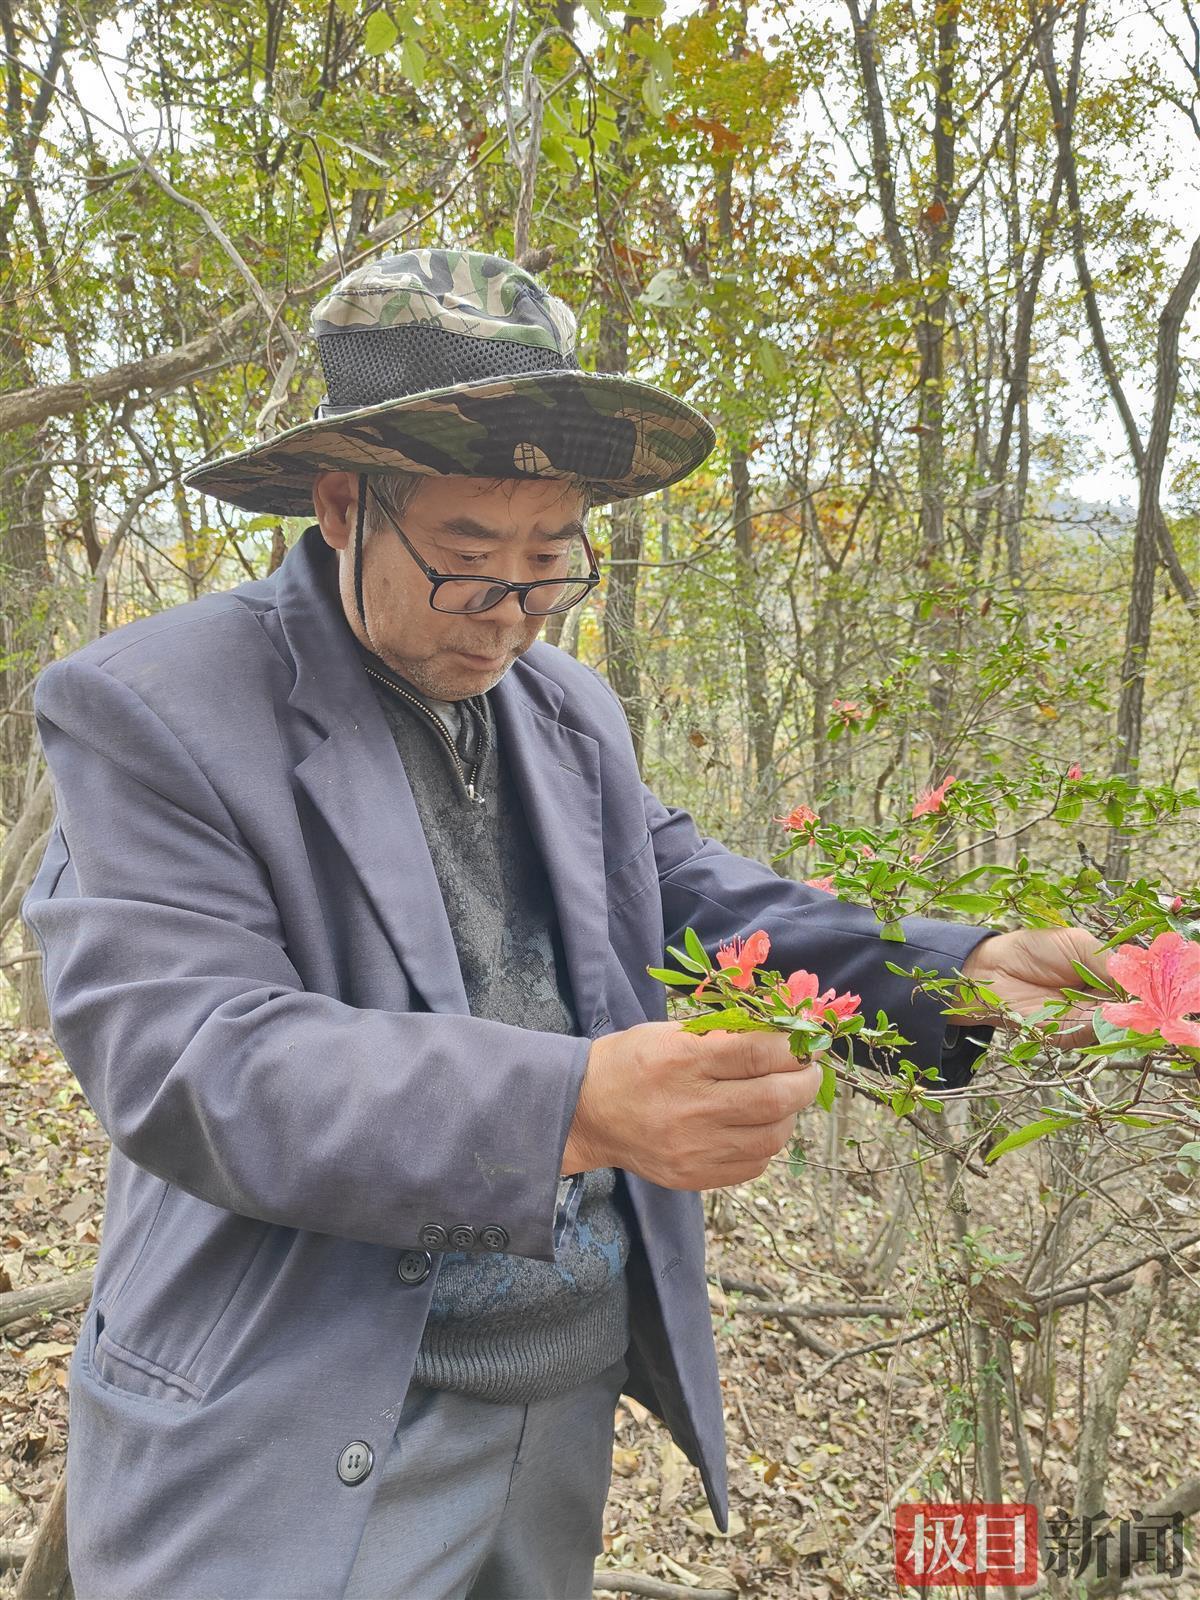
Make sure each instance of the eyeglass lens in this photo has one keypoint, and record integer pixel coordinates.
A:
(477, 594)
(481, 594)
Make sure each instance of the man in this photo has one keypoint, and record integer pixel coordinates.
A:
(346, 921)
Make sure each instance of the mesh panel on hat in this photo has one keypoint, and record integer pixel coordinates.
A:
(370, 365)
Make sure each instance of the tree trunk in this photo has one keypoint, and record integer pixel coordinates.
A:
(1146, 546)
(44, 1575)
(750, 627)
(616, 289)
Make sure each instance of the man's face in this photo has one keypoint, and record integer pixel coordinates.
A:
(519, 530)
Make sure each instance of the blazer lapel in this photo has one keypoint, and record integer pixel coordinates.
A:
(357, 782)
(557, 774)
(354, 777)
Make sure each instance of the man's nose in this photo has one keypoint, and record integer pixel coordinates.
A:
(507, 611)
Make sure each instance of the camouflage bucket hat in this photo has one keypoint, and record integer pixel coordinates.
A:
(453, 362)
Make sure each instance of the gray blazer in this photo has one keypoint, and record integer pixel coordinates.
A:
(251, 973)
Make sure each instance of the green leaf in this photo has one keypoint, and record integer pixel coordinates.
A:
(802, 1023)
(686, 960)
(730, 1020)
(808, 1046)
(652, 95)
(1135, 1047)
(1125, 934)
(665, 975)
(894, 932)
(696, 950)
(1114, 811)
(773, 366)
(412, 63)
(969, 902)
(656, 53)
(557, 154)
(1027, 1134)
(827, 1093)
(1025, 1051)
(380, 34)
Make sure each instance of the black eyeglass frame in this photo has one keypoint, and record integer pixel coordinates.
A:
(521, 590)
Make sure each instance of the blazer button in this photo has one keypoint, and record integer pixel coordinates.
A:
(462, 1237)
(433, 1236)
(493, 1237)
(414, 1266)
(355, 1461)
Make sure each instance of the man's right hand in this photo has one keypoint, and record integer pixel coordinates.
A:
(687, 1110)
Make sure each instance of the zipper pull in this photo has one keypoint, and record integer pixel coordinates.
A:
(477, 798)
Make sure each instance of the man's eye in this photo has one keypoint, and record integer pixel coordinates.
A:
(468, 561)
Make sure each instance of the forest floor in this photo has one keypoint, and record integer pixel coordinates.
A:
(816, 1458)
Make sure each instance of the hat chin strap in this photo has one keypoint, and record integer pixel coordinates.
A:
(358, 544)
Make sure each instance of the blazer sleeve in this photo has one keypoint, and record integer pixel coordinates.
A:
(174, 1001)
(720, 895)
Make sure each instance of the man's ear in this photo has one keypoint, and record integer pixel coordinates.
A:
(335, 504)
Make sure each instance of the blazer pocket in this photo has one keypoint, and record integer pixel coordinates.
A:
(637, 875)
(163, 1315)
(129, 1373)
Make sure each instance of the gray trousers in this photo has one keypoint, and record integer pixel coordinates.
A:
(478, 1501)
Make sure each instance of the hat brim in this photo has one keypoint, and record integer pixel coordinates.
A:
(621, 437)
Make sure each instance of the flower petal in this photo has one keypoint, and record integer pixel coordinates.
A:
(1183, 1033)
(1131, 967)
(802, 986)
(1135, 1014)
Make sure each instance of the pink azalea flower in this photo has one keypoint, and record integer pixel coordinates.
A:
(824, 884)
(1176, 904)
(801, 820)
(842, 1005)
(803, 987)
(848, 710)
(866, 852)
(1165, 983)
(738, 959)
(931, 800)
(1075, 771)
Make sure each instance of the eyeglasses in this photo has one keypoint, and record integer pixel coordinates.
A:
(458, 593)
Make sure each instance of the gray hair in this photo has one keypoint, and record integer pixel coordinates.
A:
(396, 490)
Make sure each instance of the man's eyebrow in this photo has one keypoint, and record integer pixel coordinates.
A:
(468, 528)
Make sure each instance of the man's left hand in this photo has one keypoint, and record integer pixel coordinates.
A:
(1027, 971)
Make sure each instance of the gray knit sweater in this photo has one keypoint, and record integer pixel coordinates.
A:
(505, 1327)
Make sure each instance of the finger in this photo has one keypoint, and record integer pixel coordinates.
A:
(744, 1169)
(765, 1100)
(744, 1055)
